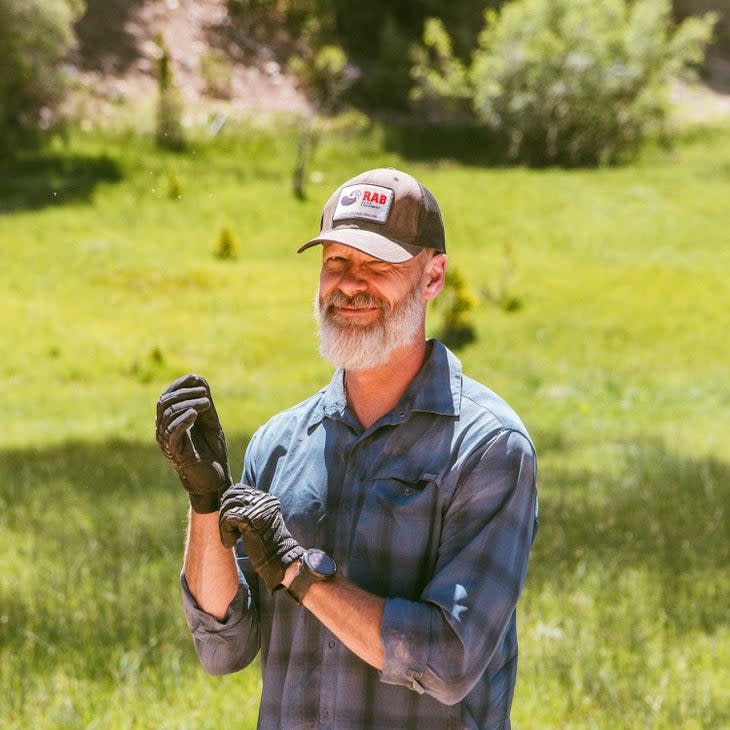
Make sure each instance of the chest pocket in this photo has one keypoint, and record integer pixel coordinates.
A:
(396, 535)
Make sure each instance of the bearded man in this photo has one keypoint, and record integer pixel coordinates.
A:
(375, 548)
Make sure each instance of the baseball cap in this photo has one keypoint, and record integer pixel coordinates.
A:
(385, 213)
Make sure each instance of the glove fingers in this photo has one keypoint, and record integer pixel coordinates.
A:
(235, 522)
(255, 517)
(229, 530)
(209, 418)
(170, 436)
(170, 410)
(175, 396)
(252, 505)
(193, 385)
(248, 495)
(234, 517)
(191, 380)
(209, 439)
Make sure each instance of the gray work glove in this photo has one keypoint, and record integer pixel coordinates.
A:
(255, 516)
(192, 440)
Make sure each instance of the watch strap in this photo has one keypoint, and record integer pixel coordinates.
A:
(302, 582)
(314, 566)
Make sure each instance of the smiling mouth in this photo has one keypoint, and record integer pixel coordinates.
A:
(347, 316)
(355, 310)
(352, 315)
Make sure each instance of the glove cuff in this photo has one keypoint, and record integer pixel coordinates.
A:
(204, 504)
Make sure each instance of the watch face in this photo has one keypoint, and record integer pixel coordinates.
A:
(320, 563)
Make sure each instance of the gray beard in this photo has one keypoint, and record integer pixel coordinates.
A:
(355, 347)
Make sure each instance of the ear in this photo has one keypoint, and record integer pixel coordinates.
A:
(434, 276)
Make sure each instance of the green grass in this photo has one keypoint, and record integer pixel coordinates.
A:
(616, 357)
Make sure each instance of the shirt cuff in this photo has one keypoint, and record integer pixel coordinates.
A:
(406, 633)
(202, 624)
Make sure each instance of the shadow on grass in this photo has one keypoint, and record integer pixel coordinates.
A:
(93, 533)
(34, 180)
(91, 541)
(662, 512)
(467, 144)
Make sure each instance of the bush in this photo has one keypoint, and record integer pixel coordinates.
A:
(226, 246)
(456, 303)
(325, 75)
(572, 82)
(578, 82)
(35, 37)
(442, 89)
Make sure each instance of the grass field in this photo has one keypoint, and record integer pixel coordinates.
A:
(617, 358)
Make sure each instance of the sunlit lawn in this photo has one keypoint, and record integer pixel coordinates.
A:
(616, 355)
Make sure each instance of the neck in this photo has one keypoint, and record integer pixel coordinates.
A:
(373, 392)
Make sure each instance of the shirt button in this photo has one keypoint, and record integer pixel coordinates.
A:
(402, 414)
(331, 644)
(408, 491)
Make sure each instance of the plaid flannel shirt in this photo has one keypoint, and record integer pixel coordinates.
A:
(434, 508)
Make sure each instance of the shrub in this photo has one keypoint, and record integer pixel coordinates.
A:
(456, 303)
(35, 37)
(226, 246)
(442, 86)
(502, 292)
(572, 82)
(325, 75)
(578, 82)
(174, 186)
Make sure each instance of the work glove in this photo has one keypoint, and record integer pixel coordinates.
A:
(255, 516)
(192, 440)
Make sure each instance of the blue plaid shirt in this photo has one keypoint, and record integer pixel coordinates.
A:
(434, 507)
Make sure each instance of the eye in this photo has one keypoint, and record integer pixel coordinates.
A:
(334, 263)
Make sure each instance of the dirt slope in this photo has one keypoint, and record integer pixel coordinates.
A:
(120, 46)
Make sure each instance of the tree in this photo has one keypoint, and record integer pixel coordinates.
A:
(569, 82)
(375, 37)
(35, 37)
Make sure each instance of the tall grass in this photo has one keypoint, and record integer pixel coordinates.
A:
(616, 358)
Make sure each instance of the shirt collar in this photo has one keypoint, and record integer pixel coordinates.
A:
(435, 389)
(335, 400)
(437, 385)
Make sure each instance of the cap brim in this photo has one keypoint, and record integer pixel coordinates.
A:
(373, 244)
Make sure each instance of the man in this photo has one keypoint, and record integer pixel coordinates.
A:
(385, 522)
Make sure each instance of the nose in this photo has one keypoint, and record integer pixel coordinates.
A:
(351, 282)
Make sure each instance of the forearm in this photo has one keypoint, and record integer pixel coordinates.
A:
(349, 612)
(210, 568)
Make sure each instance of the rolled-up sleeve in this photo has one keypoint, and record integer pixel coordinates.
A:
(224, 646)
(443, 643)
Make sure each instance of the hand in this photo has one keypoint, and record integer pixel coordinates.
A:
(255, 516)
(192, 440)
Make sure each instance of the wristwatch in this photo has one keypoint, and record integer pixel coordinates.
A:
(315, 565)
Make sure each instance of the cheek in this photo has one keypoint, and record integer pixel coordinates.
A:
(325, 288)
(328, 280)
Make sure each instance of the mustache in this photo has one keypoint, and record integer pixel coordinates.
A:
(338, 299)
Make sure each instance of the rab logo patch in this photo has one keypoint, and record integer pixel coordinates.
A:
(371, 202)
